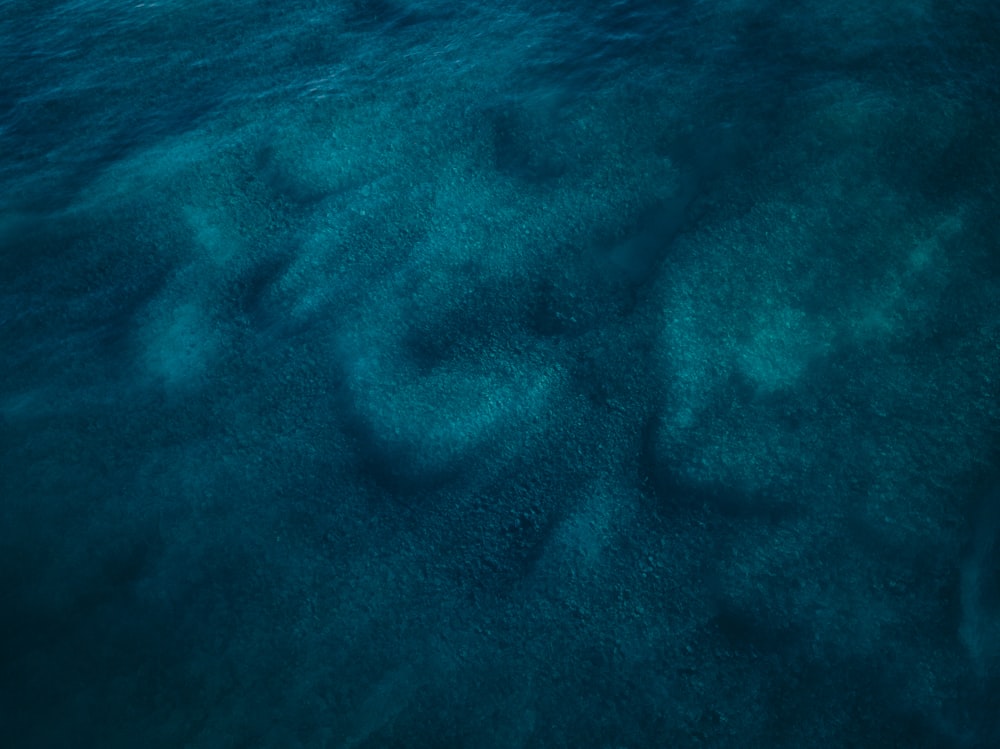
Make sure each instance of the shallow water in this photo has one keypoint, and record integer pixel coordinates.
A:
(409, 374)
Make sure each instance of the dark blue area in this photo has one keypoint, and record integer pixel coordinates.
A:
(388, 374)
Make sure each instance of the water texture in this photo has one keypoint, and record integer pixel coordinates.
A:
(385, 374)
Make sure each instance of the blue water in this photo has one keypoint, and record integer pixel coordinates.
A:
(385, 374)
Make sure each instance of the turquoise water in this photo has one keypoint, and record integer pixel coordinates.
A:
(383, 374)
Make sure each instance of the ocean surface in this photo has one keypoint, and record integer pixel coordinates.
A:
(502, 375)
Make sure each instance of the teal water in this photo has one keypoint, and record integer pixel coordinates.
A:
(382, 374)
